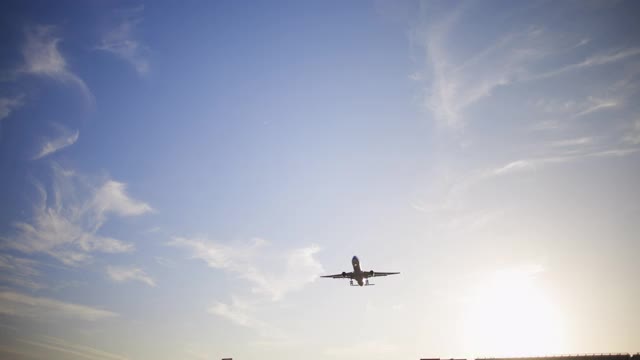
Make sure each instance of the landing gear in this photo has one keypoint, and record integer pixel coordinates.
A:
(351, 282)
(366, 282)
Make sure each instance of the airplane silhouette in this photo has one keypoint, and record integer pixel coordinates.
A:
(362, 277)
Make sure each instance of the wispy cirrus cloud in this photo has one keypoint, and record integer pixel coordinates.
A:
(8, 104)
(573, 109)
(597, 105)
(534, 163)
(19, 271)
(524, 165)
(270, 274)
(245, 313)
(253, 263)
(21, 305)
(586, 140)
(603, 58)
(121, 41)
(63, 139)
(450, 196)
(456, 85)
(521, 56)
(242, 313)
(466, 78)
(126, 274)
(67, 219)
(43, 58)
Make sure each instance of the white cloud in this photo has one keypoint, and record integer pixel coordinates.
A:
(42, 58)
(295, 268)
(8, 104)
(121, 42)
(64, 139)
(112, 197)
(66, 222)
(16, 304)
(126, 274)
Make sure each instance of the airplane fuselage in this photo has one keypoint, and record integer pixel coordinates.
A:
(357, 272)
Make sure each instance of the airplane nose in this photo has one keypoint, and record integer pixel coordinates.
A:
(355, 258)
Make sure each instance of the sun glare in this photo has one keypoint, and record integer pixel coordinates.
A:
(511, 315)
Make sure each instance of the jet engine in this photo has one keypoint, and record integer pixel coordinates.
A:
(371, 273)
(344, 274)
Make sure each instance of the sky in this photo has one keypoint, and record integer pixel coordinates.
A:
(176, 176)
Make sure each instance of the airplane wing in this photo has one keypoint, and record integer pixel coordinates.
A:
(369, 274)
(344, 275)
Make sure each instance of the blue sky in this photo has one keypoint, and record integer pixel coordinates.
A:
(174, 178)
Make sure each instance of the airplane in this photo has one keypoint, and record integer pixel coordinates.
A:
(362, 277)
